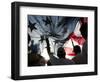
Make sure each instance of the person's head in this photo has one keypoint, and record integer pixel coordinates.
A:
(77, 49)
(42, 61)
(35, 60)
(83, 30)
(61, 52)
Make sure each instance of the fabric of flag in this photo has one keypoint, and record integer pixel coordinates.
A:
(57, 28)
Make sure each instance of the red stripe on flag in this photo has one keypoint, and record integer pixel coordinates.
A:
(79, 39)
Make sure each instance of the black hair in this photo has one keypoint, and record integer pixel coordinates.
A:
(35, 60)
(61, 52)
(77, 49)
